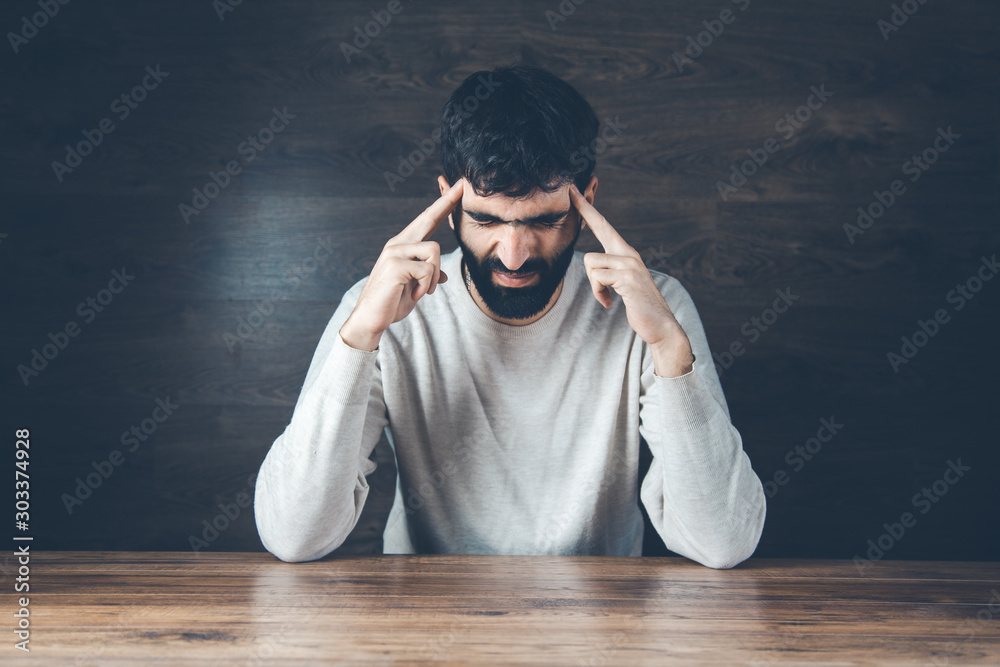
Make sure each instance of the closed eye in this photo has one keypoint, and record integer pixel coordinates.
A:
(547, 225)
(546, 220)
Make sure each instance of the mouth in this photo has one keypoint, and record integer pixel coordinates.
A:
(511, 281)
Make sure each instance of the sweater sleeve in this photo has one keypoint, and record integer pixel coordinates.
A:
(311, 487)
(701, 493)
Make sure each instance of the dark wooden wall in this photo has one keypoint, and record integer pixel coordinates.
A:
(322, 177)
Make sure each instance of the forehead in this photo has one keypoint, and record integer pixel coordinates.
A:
(509, 208)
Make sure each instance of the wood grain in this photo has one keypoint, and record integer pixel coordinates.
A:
(167, 608)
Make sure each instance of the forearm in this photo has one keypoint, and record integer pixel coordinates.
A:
(358, 338)
(701, 491)
(311, 487)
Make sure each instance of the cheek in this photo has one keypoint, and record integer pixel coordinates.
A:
(476, 240)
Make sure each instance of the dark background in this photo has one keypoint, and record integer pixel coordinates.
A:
(323, 177)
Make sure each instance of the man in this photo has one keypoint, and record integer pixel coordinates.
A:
(511, 383)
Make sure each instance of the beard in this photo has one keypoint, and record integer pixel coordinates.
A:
(517, 303)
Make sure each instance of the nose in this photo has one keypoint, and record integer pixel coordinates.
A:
(514, 246)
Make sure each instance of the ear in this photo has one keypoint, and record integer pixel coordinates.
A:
(591, 190)
(588, 194)
(445, 186)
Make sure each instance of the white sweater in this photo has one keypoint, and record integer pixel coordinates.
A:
(513, 439)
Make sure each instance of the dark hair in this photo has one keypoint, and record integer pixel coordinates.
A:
(517, 129)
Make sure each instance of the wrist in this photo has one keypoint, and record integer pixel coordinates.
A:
(673, 361)
(359, 339)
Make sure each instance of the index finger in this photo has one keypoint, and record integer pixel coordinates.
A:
(425, 224)
(612, 241)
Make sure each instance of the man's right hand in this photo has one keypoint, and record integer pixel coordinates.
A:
(408, 268)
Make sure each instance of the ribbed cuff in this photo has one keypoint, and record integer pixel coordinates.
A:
(685, 400)
(346, 375)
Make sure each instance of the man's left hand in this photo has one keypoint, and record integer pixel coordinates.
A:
(620, 267)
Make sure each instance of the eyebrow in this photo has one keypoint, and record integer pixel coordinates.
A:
(544, 218)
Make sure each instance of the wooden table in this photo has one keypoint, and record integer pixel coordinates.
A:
(183, 608)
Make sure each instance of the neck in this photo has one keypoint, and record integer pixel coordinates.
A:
(482, 304)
